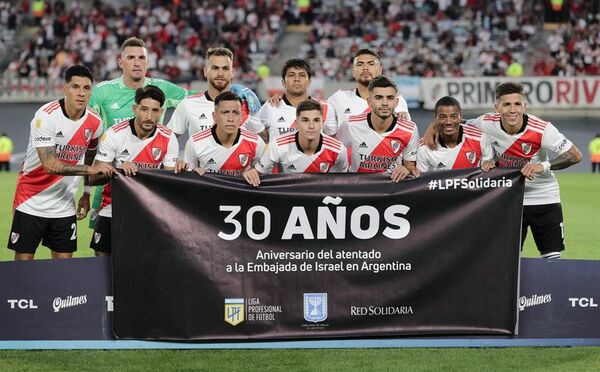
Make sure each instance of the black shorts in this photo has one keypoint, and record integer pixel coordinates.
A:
(58, 234)
(101, 240)
(547, 227)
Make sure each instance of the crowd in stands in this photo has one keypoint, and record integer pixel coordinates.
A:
(177, 34)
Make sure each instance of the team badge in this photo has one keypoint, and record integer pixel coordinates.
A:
(526, 147)
(234, 311)
(324, 167)
(315, 307)
(87, 133)
(244, 158)
(471, 156)
(97, 237)
(395, 144)
(156, 153)
(14, 237)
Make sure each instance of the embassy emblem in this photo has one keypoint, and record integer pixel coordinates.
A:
(471, 156)
(526, 147)
(156, 153)
(244, 159)
(315, 307)
(395, 144)
(234, 311)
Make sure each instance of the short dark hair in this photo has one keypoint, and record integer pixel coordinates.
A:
(78, 70)
(150, 91)
(297, 63)
(309, 105)
(133, 42)
(219, 52)
(227, 96)
(368, 51)
(382, 82)
(509, 87)
(447, 101)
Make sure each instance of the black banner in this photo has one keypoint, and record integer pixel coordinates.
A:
(312, 256)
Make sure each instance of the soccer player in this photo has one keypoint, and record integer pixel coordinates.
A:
(137, 143)
(366, 66)
(381, 141)
(459, 146)
(224, 148)
(305, 151)
(194, 114)
(62, 133)
(523, 140)
(278, 119)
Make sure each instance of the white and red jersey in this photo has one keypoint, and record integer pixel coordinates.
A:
(347, 102)
(120, 143)
(51, 195)
(374, 152)
(204, 150)
(532, 143)
(472, 149)
(281, 120)
(195, 114)
(330, 156)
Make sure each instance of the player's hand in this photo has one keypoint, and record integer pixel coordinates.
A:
(180, 166)
(431, 138)
(101, 169)
(399, 173)
(403, 115)
(275, 99)
(246, 94)
(252, 177)
(199, 171)
(129, 169)
(83, 206)
(487, 165)
(414, 172)
(529, 170)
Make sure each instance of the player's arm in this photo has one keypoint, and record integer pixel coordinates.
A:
(402, 109)
(487, 154)
(422, 160)
(399, 173)
(341, 163)
(83, 204)
(409, 154)
(52, 165)
(99, 179)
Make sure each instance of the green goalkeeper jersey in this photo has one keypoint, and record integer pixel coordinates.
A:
(113, 100)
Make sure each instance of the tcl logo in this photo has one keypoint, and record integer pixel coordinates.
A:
(22, 304)
(582, 302)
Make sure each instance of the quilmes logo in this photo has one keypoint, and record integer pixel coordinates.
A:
(234, 310)
(534, 300)
(315, 307)
(63, 303)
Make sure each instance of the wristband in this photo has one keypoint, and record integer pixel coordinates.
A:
(87, 189)
(546, 165)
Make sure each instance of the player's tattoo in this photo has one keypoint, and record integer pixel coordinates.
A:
(88, 160)
(54, 166)
(572, 156)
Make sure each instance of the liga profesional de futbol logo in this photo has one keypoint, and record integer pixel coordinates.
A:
(234, 310)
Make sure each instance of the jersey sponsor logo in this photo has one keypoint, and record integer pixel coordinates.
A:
(291, 167)
(42, 139)
(324, 167)
(115, 106)
(202, 117)
(471, 156)
(125, 152)
(283, 131)
(211, 161)
(87, 133)
(526, 147)
(395, 144)
(156, 153)
(97, 237)
(281, 120)
(363, 145)
(244, 159)
(59, 134)
(441, 165)
(14, 237)
(347, 111)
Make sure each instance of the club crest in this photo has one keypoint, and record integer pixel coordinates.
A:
(315, 307)
(395, 144)
(87, 133)
(97, 237)
(234, 311)
(526, 147)
(14, 237)
(244, 158)
(324, 167)
(156, 153)
(471, 156)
